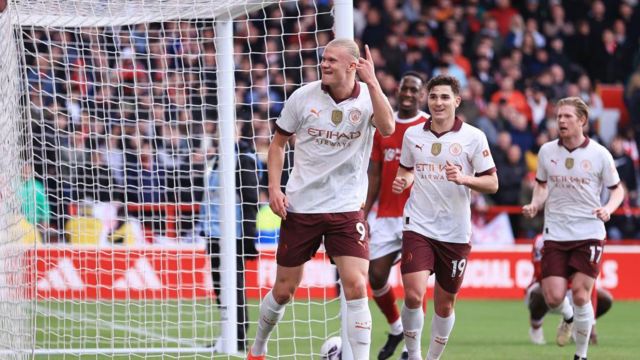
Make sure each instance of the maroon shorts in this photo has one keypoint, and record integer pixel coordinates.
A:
(564, 258)
(446, 260)
(345, 234)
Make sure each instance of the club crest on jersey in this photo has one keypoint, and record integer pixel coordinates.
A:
(585, 165)
(436, 148)
(455, 149)
(568, 163)
(336, 117)
(355, 116)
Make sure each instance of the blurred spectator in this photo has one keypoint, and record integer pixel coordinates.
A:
(591, 98)
(34, 202)
(510, 175)
(374, 32)
(509, 95)
(632, 100)
(247, 208)
(503, 13)
(145, 178)
(448, 66)
(511, 171)
(626, 168)
(537, 101)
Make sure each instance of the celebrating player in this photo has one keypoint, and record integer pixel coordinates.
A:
(334, 121)
(571, 174)
(444, 159)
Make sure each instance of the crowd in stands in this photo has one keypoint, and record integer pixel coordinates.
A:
(128, 114)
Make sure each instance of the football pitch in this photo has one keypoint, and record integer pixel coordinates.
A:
(483, 330)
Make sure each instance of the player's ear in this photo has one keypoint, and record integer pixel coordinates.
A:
(353, 65)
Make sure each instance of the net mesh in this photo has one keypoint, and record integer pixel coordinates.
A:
(111, 179)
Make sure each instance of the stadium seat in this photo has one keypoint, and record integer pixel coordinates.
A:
(83, 231)
(30, 233)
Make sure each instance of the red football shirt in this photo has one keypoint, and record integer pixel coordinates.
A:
(387, 150)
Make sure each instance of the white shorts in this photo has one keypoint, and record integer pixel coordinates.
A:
(385, 236)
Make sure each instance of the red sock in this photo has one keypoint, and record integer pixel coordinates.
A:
(386, 300)
(424, 304)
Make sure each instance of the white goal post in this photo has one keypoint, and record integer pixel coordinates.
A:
(110, 114)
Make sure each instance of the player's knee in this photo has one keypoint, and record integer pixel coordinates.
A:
(283, 293)
(553, 299)
(377, 279)
(355, 288)
(413, 299)
(580, 296)
(444, 309)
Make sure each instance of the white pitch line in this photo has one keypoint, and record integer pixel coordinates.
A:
(105, 324)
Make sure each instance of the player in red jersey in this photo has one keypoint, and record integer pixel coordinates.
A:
(600, 298)
(386, 224)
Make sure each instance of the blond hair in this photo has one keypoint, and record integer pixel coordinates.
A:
(349, 45)
(582, 109)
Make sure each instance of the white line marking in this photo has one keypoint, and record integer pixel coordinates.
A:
(105, 324)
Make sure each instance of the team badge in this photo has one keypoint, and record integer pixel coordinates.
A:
(436, 148)
(568, 163)
(585, 165)
(336, 117)
(355, 116)
(455, 149)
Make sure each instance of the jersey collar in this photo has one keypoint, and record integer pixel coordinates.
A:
(457, 124)
(583, 145)
(354, 94)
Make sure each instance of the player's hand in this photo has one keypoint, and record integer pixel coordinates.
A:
(365, 68)
(529, 210)
(602, 214)
(453, 173)
(279, 203)
(399, 184)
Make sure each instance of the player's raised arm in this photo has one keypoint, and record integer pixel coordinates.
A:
(382, 111)
(275, 163)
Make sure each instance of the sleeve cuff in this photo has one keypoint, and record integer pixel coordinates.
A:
(487, 172)
(282, 131)
(410, 168)
(541, 181)
(613, 187)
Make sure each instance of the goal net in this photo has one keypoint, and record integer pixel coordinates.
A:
(134, 137)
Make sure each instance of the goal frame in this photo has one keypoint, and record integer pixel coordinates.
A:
(122, 12)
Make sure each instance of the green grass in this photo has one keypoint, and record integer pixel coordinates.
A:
(483, 330)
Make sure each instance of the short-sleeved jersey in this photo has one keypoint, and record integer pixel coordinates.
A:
(574, 182)
(386, 150)
(332, 149)
(437, 208)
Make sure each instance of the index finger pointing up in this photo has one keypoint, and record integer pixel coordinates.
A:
(367, 53)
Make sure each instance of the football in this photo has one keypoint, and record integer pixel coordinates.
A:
(331, 349)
